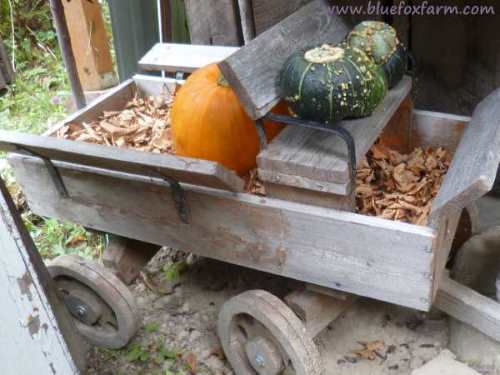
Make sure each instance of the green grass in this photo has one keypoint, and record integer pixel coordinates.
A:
(35, 101)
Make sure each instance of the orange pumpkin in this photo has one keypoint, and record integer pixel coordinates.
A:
(209, 122)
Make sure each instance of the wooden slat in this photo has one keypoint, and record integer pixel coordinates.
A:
(114, 99)
(186, 170)
(3, 84)
(363, 255)
(90, 44)
(268, 13)
(253, 71)
(434, 129)
(5, 65)
(213, 22)
(474, 167)
(470, 307)
(247, 20)
(37, 329)
(183, 57)
(313, 160)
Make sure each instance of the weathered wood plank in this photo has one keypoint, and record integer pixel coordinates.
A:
(470, 307)
(186, 170)
(317, 310)
(433, 129)
(247, 20)
(5, 65)
(474, 167)
(314, 160)
(3, 84)
(114, 99)
(90, 44)
(37, 330)
(213, 22)
(183, 57)
(268, 13)
(253, 71)
(362, 255)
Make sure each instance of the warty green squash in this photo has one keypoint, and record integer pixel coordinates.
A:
(380, 42)
(328, 84)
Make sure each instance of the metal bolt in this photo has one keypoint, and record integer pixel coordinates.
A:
(260, 361)
(81, 311)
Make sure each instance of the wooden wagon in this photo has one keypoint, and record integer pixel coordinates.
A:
(305, 229)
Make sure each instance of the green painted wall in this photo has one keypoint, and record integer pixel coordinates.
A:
(135, 30)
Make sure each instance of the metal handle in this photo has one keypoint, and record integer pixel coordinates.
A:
(328, 128)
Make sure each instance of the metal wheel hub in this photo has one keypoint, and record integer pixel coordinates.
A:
(81, 302)
(264, 357)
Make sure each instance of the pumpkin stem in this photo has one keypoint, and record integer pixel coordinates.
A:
(222, 81)
(324, 54)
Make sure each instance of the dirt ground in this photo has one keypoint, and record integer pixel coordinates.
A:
(180, 310)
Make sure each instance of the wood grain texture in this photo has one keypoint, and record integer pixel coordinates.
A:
(318, 161)
(247, 20)
(37, 330)
(114, 99)
(469, 307)
(183, 57)
(317, 310)
(90, 44)
(315, 198)
(434, 129)
(183, 169)
(253, 71)
(5, 65)
(213, 22)
(474, 167)
(186, 170)
(345, 251)
(268, 13)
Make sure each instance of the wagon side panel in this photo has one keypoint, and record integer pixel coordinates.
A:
(367, 256)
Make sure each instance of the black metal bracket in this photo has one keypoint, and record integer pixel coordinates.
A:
(328, 128)
(54, 174)
(179, 196)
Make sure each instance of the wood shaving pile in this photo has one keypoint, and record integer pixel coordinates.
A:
(401, 187)
(144, 125)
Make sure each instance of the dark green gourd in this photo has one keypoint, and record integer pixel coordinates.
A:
(380, 42)
(328, 84)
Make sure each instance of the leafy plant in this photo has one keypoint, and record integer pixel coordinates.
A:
(172, 272)
(152, 327)
(137, 353)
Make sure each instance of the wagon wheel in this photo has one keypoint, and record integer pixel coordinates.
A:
(104, 310)
(261, 335)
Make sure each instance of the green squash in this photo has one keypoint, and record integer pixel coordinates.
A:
(380, 42)
(328, 84)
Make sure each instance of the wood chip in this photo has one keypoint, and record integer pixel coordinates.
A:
(144, 124)
(401, 187)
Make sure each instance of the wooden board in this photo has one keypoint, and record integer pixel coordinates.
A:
(90, 44)
(5, 65)
(313, 160)
(354, 253)
(266, 13)
(247, 20)
(185, 170)
(183, 57)
(213, 22)
(474, 167)
(470, 307)
(253, 71)
(38, 335)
